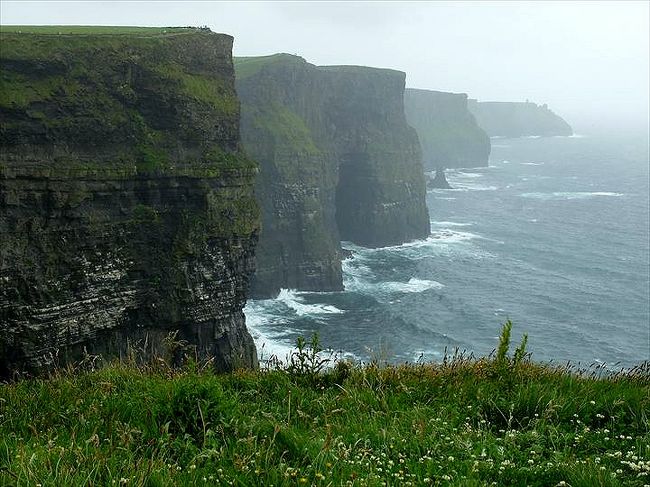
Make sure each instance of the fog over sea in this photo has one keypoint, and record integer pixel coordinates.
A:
(553, 235)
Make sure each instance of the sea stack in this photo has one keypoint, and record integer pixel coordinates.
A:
(439, 181)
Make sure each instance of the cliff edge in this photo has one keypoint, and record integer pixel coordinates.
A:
(126, 206)
(337, 161)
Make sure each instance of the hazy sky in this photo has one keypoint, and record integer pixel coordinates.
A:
(588, 61)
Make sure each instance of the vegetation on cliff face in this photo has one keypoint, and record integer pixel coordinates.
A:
(141, 99)
(126, 204)
(336, 158)
(464, 422)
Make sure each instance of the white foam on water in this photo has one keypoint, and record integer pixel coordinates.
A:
(465, 181)
(505, 161)
(262, 323)
(503, 146)
(531, 163)
(443, 241)
(452, 224)
(574, 136)
(267, 321)
(470, 187)
(293, 300)
(569, 195)
(413, 286)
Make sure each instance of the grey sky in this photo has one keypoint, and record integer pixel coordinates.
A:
(588, 61)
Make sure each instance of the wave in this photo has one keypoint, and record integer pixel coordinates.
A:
(531, 163)
(268, 331)
(452, 224)
(268, 321)
(413, 286)
(463, 174)
(444, 241)
(356, 279)
(573, 136)
(569, 195)
(292, 299)
(458, 186)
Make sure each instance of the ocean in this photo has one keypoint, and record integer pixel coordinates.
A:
(553, 235)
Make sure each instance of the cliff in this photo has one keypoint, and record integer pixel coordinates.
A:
(126, 206)
(337, 161)
(518, 119)
(448, 132)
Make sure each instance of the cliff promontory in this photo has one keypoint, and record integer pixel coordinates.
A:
(337, 161)
(126, 206)
(448, 132)
(518, 119)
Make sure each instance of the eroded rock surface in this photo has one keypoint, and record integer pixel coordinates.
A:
(126, 207)
(337, 162)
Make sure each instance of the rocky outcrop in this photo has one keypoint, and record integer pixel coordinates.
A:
(126, 206)
(448, 132)
(439, 181)
(337, 161)
(518, 119)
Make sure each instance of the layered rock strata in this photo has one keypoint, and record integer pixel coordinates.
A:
(337, 162)
(448, 132)
(126, 206)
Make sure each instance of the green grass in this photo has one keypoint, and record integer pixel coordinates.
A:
(463, 422)
(92, 30)
(248, 66)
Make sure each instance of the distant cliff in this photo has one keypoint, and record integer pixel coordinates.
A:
(337, 161)
(448, 132)
(518, 119)
(126, 207)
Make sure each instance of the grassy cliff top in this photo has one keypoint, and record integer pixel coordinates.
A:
(423, 91)
(460, 423)
(351, 68)
(117, 99)
(247, 66)
(93, 30)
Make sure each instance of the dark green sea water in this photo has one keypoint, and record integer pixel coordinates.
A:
(553, 235)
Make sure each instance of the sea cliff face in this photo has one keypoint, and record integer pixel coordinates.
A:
(126, 206)
(337, 161)
(518, 119)
(448, 132)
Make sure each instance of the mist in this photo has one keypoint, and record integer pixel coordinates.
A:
(587, 60)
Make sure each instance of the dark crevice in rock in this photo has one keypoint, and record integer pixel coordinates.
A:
(337, 161)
